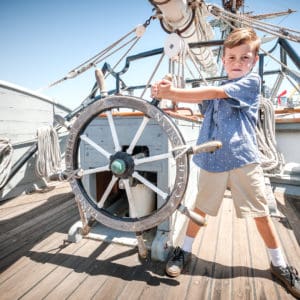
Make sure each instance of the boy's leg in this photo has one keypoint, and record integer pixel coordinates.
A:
(208, 201)
(249, 194)
(267, 231)
(193, 228)
(287, 274)
(191, 232)
(181, 256)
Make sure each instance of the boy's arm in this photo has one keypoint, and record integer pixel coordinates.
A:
(196, 95)
(164, 89)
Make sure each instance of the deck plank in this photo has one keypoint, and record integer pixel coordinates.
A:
(11, 209)
(94, 275)
(89, 269)
(11, 253)
(54, 241)
(263, 286)
(203, 270)
(30, 276)
(62, 266)
(242, 285)
(121, 271)
(222, 282)
(229, 258)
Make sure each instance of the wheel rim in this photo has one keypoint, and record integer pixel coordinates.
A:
(123, 164)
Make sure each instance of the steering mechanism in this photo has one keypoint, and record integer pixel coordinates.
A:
(125, 165)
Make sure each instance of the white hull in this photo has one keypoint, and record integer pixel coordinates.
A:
(22, 112)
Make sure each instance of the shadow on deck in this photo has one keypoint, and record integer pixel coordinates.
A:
(229, 259)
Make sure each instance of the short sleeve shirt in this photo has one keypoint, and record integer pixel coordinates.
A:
(232, 121)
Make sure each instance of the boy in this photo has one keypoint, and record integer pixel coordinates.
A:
(231, 112)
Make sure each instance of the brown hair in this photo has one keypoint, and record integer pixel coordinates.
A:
(241, 36)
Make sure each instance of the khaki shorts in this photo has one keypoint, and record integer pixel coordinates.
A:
(247, 187)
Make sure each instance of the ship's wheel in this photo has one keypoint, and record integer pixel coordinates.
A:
(122, 165)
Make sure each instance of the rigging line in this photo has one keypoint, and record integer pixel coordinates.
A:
(204, 54)
(233, 17)
(272, 31)
(179, 69)
(250, 19)
(94, 63)
(74, 72)
(152, 75)
(284, 17)
(198, 17)
(189, 69)
(267, 24)
(200, 33)
(6, 154)
(125, 54)
(242, 21)
(192, 57)
(96, 87)
(106, 49)
(198, 27)
(113, 52)
(296, 87)
(258, 25)
(269, 54)
(145, 25)
(279, 62)
(182, 67)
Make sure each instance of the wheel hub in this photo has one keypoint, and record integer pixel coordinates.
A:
(122, 164)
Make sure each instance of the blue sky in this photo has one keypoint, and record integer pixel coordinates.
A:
(42, 40)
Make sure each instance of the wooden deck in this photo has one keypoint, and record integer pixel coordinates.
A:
(229, 259)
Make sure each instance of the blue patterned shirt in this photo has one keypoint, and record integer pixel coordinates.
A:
(231, 121)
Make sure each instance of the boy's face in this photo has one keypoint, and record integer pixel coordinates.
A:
(239, 61)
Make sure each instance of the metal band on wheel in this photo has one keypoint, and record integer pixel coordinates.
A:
(119, 159)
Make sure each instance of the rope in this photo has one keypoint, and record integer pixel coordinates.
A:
(193, 59)
(152, 75)
(240, 20)
(48, 159)
(271, 159)
(6, 151)
(279, 62)
(283, 32)
(204, 33)
(125, 54)
(134, 39)
(101, 55)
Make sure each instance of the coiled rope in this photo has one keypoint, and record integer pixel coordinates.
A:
(272, 160)
(48, 159)
(6, 152)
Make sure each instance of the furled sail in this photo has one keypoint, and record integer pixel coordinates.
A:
(187, 19)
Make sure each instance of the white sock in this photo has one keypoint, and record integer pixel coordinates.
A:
(277, 258)
(188, 243)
